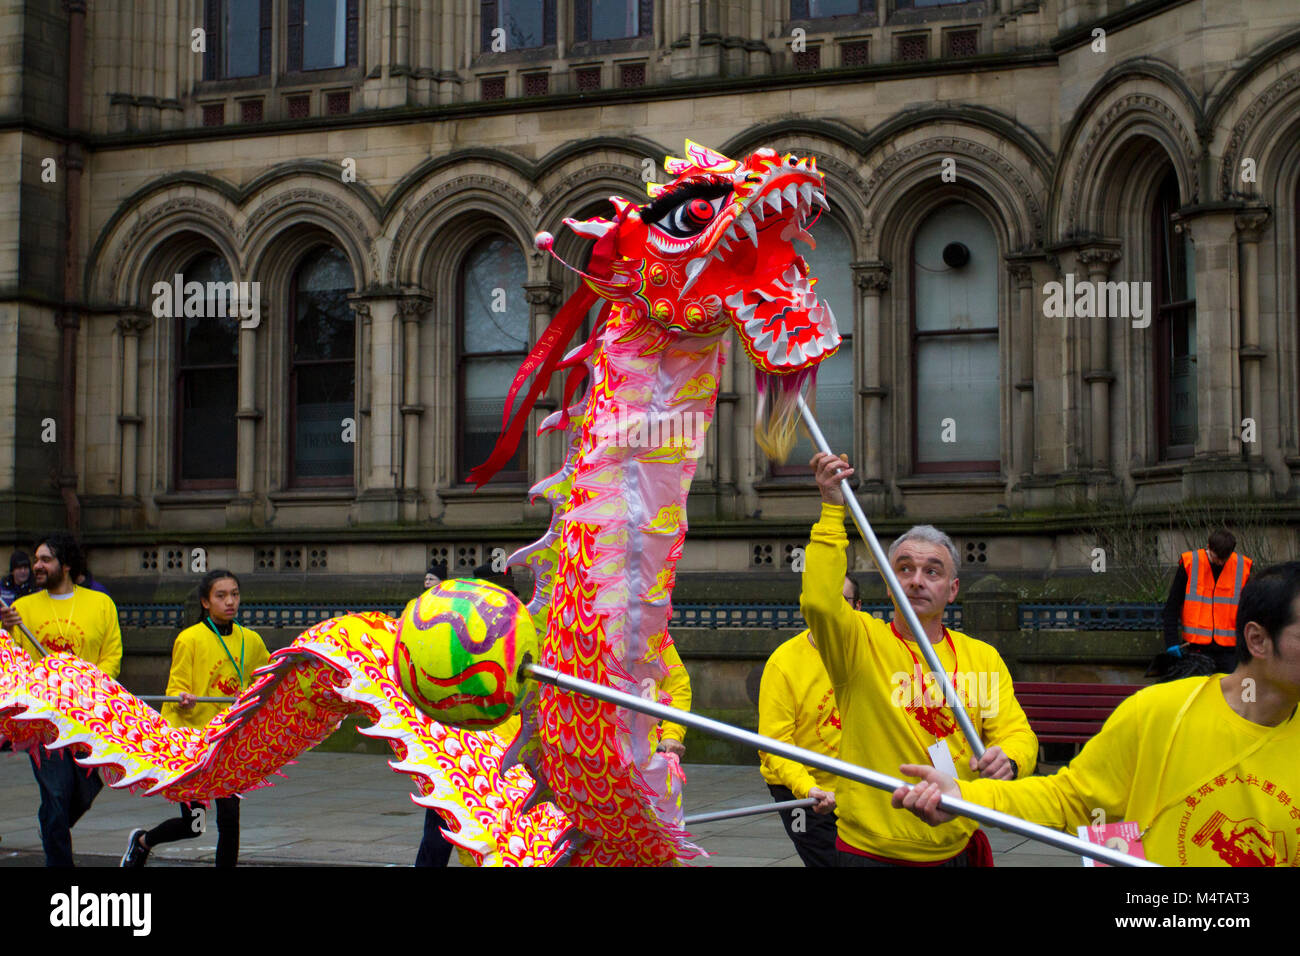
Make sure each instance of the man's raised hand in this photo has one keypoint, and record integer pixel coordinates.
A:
(923, 798)
(829, 472)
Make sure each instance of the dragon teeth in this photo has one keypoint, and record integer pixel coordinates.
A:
(805, 193)
(747, 224)
(773, 199)
(693, 270)
(791, 194)
(758, 211)
(820, 197)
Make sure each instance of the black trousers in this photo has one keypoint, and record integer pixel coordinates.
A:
(852, 859)
(190, 824)
(813, 834)
(434, 848)
(67, 791)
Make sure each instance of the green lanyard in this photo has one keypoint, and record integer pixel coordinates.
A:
(239, 668)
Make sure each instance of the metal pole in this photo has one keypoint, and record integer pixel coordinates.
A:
(833, 765)
(26, 633)
(160, 699)
(895, 588)
(748, 811)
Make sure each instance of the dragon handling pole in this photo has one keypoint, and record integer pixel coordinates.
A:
(896, 588)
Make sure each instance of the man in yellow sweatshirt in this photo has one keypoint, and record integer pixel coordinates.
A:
(1207, 767)
(892, 708)
(796, 705)
(74, 620)
(677, 685)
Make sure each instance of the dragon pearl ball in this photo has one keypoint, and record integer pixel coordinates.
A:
(460, 651)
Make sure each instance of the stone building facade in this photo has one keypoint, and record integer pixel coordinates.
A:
(379, 171)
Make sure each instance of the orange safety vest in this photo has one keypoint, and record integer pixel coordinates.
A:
(1210, 606)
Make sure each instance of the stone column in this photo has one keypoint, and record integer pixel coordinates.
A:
(1216, 470)
(1097, 259)
(1250, 225)
(546, 452)
(131, 325)
(872, 280)
(412, 310)
(1022, 367)
(247, 414)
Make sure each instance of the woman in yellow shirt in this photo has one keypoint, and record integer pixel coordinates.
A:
(214, 658)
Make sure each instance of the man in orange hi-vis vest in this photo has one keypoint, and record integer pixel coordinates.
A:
(1201, 612)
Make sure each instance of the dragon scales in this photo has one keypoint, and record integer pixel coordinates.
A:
(581, 781)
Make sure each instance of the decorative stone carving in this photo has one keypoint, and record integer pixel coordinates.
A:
(991, 159)
(872, 276)
(1244, 127)
(416, 213)
(145, 221)
(303, 195)
(1115, 114)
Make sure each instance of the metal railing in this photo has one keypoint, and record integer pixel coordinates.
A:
(1091, 617)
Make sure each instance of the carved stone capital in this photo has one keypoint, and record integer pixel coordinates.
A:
(413, 308)
(1251, 222)
(872, 277)
(542, 295)
(133, 323)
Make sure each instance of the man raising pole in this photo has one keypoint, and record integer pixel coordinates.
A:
(892, 705)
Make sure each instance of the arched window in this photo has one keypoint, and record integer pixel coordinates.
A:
(612, 19)
(322, 369)
(527, 24)
(1175, 298)
(831, 264)
(322, 34)
(955, 343)
(207, 381)
(492, 343)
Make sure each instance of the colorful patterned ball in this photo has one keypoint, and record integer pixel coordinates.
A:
(459, 652)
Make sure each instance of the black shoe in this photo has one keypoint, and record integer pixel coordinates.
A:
(135, 854)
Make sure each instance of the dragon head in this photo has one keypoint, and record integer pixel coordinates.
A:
(716, 246)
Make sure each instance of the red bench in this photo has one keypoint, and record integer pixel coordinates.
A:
(1070, 713)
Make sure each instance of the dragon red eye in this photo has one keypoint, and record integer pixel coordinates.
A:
(701, 210)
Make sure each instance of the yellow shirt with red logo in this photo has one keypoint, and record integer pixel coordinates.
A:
(890, 706)
(1214, 788)
(201, 667)
(796, 704)
(84, 623)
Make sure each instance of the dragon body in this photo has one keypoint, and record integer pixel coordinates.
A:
(580, 781)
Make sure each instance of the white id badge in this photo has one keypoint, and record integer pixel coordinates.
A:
(941, 758)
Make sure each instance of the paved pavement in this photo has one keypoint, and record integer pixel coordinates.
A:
(352, 810)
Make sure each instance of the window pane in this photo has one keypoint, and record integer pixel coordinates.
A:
(493, 306)
(613, 19)
(957, 378)
(324, 33)
(522, 21)
(956, 298)
(207, 419)
(324, 327)
(831, 8)
(209, 339)
(486, 384)
(323, 400)
(834, 408)
(1182, 378)
(241, 42)
(831, 265)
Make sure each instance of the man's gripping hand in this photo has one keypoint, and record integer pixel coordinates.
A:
(829, 472)
(923, 798)
(10, 619)
(994, 765)
(825, 800)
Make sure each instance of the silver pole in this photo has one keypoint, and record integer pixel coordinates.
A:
(900, 598)
(748, 811)
(26, 633)
(160, 699)
(833, 765)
